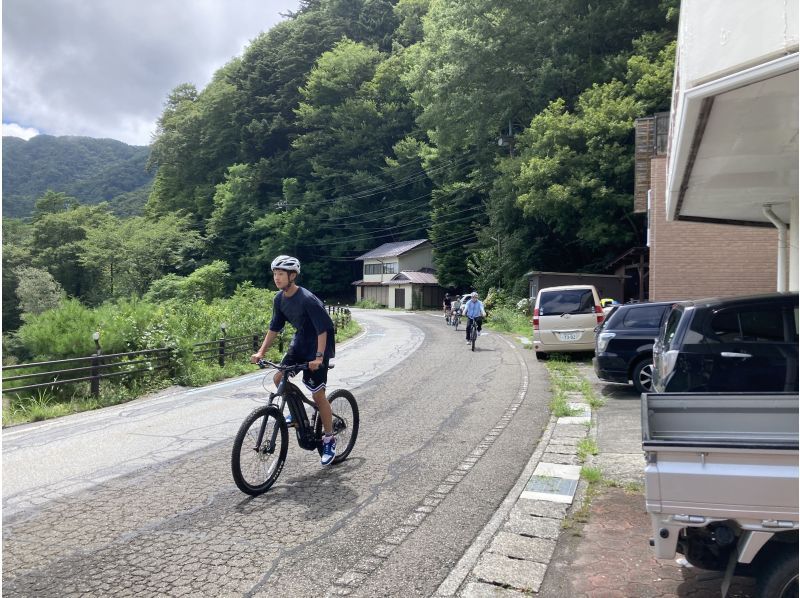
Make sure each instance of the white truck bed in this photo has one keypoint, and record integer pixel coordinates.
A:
(717, 457)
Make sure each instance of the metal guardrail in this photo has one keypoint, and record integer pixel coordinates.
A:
(340, 315)
(97, 366)
(92, 368)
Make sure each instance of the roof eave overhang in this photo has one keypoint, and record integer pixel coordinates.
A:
(695, 106)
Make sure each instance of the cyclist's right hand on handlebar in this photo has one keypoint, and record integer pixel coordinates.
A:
(256, 357)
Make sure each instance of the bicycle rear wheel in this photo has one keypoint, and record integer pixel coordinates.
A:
(345, 423)
(256, 464)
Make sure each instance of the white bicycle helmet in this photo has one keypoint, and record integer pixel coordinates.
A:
(286, 262)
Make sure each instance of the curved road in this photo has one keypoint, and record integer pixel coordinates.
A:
(138, 499)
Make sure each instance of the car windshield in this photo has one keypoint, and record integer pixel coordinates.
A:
(572, 301)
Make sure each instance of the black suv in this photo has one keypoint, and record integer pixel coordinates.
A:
(740, 344)
(624, 344)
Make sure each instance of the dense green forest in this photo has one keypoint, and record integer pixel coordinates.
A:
(502, 130)
(91, 170)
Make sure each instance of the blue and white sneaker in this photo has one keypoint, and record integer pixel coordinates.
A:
(328, 450)
(289, 420)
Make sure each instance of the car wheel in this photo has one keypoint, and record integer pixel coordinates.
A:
(643, 375)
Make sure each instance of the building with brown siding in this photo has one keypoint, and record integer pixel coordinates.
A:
(692, 260)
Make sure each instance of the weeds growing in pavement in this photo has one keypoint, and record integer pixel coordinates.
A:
(560, 407)
(592, 475)
(586, 447)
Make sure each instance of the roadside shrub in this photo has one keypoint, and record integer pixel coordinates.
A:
(368, 304)
(506, 319)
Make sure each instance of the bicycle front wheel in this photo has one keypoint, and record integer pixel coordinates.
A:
(259, 450)
(345, 423)
(473, 336)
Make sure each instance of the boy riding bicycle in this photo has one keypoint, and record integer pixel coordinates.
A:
(313, 341)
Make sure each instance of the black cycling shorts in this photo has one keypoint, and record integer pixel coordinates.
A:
(313, 380)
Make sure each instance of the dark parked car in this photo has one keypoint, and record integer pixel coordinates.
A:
(739, 344)
(624, 344)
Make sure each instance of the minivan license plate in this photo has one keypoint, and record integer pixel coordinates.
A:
(569, 336)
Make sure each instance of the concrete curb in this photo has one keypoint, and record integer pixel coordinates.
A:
(512, 553)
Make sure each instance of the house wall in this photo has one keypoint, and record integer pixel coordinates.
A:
(693, 260)
(378, 294)
(718, 37)
(417, 259)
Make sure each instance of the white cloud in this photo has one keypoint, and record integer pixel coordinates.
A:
(15, 130)
(105, 68)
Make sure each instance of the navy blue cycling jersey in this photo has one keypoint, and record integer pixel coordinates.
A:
(306, 313)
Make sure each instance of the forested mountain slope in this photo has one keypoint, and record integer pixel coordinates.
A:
(359, 122)
(91, 170)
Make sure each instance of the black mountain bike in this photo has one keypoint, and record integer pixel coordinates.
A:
(261, 444)
(473, 333)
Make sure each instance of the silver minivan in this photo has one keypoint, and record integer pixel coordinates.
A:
(564, 319)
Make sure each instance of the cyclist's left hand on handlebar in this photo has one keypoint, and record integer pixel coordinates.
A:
(315, 365)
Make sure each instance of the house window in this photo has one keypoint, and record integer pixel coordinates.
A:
(390, 268)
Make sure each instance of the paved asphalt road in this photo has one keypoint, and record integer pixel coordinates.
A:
(138, 499)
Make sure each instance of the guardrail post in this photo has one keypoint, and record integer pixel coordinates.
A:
(222, 346)
(94, 383)
(256, 343)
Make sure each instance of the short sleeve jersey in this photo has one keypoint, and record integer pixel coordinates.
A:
(474, 309)
(305, 312)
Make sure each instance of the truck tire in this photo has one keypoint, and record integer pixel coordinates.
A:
(777, 577)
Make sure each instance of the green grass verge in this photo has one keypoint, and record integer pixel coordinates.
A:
(506, 319)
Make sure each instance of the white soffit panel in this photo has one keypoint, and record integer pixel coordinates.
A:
(735, 146)
(748, 155)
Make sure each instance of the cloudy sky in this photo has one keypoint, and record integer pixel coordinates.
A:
(104, 68)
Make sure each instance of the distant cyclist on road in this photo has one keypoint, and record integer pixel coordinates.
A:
(474, 309)
(447, 304)
(313, 341)
(455, 305)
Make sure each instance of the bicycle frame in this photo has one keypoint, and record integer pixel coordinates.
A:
(474, 329)
(293, 397)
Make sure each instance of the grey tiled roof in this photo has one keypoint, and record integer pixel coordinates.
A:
(392, 249)
(414, 277)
